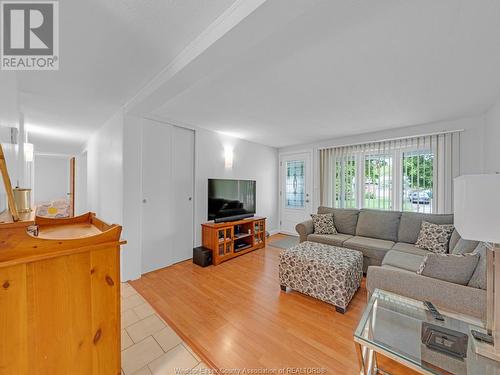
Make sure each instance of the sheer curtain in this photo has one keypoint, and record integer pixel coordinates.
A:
(410, 174)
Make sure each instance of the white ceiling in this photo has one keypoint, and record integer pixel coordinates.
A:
(344, 67)
(109, 49)
(289, 72)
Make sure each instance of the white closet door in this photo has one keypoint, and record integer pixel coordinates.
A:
(183, 181)
(167, 188)
(158, 227)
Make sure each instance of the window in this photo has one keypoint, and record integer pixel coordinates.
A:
(378, 192)
(399, 180)
(413, 174)
(295, 181)
(345, 183)
(418, 184)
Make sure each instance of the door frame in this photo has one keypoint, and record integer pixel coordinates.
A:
(72, 171)
(286, 155)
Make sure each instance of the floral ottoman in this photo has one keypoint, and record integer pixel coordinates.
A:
(328, 273)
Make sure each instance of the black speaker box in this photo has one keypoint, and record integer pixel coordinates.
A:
(202, 256)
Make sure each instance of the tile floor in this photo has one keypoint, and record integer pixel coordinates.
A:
(149, 345)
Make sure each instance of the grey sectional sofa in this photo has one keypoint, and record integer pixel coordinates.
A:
(391, 259)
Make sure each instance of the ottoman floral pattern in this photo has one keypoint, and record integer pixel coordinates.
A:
(329, 273)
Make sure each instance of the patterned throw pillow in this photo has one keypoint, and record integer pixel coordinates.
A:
(323, 224)
(434, 237)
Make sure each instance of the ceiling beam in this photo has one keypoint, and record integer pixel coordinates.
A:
(238, 11)
(245, 24)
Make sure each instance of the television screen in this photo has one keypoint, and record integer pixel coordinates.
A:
(230, 198)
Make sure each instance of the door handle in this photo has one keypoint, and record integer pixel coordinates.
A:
(307, 200)
(144, 200)
(190, 198)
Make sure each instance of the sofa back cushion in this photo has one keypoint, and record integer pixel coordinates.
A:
(457, 269)
(345, 219)
(463, 247)
(455, 237)
(478, 279)
(379, 224)
(410, 224)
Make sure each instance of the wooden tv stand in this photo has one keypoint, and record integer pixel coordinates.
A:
(225, 241)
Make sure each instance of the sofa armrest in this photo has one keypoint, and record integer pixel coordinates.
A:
(449, 296)
(304, 229)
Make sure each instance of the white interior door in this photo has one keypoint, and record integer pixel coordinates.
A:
(183, 186)
(295, 191)
(167, 188)
(157, 225)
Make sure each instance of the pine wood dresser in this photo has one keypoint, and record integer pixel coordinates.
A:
(60, 297)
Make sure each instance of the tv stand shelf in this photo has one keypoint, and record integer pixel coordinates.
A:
(221, 237)
(241, 236)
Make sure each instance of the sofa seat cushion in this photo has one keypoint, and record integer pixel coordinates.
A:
(405, 261)
(329, 239)
(409, 248)
(378, 224)
(370, 247)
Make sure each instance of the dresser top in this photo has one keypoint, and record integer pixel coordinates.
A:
(19, 242)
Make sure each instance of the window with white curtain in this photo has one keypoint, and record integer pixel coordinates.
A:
(413, 174)
(345, 182)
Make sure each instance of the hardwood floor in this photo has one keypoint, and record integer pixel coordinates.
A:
(234, 315)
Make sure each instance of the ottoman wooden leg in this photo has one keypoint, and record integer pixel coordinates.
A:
(283, 288)
(341, 310)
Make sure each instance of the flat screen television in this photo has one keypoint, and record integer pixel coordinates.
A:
(230, 199)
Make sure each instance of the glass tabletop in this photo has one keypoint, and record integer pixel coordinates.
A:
(396, 325)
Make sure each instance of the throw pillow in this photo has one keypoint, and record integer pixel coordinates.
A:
(478, 279)
(457, 269)
(323, 224)
(434, 237)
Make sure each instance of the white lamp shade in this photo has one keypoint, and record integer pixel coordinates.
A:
(477, 207)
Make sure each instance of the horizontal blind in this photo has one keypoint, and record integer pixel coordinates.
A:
(410, 174)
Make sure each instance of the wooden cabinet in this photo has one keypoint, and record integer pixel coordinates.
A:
(60, 297)
(231, 239)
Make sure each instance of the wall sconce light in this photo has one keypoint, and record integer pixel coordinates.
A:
(228, 157)
(28, 152)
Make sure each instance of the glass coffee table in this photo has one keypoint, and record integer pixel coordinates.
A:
(392, 326)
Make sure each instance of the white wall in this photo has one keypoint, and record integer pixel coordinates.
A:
(471, 144)
(492, 140)
(251, 161)
(51, 177)
(105, 170)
